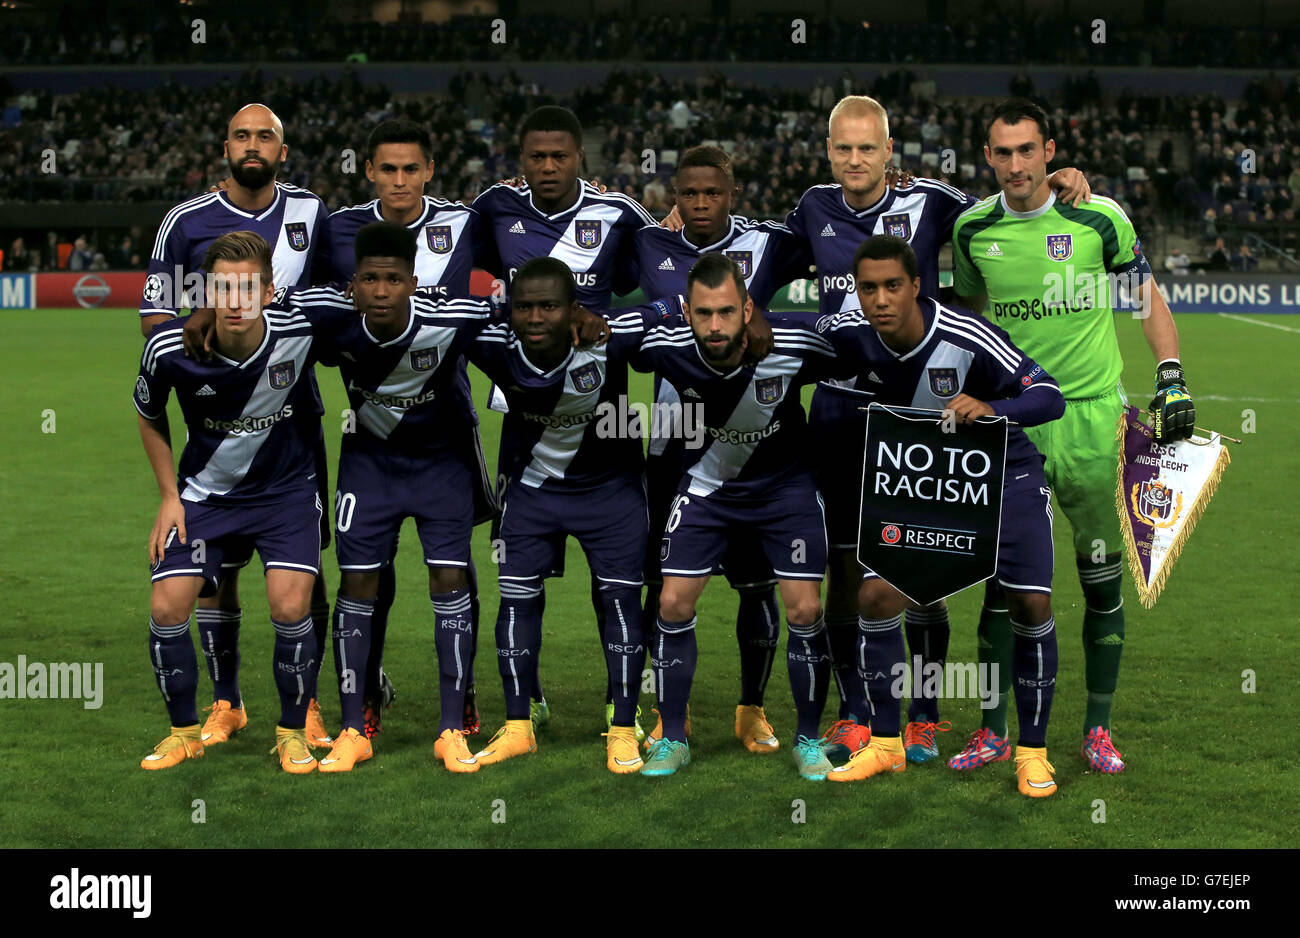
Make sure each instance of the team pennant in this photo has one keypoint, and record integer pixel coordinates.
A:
(1163, 489)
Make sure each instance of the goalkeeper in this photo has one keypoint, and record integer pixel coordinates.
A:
(1047, 274)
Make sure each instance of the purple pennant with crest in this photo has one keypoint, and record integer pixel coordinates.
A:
(1162, 490)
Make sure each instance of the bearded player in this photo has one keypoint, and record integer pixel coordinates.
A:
(769, 256)
(293, 222)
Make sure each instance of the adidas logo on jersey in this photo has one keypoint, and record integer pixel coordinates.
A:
(828, 231)
(994, 250)
(874, 377)
(205, 391)
(517, 228)
(667, 264)
(690, 392)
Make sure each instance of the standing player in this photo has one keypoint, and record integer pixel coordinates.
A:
(748, 482)
(769, 256)
(245, 479)
(566, 474)
(908, 341)
(834, 220)
(1044, 271)
(556, 214)
(292, 221)
(399, 162)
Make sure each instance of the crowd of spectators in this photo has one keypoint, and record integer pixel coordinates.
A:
(1239, 171)
(143, 36)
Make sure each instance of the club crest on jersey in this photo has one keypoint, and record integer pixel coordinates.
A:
(744, 260)
(768, 390)
(425, 359)
(943, 381)
(587, 234)
(900, 226)
(439, 238)
(585, 377)
(664, 547)
(1060, 247)
(280, 375)
(297, 234)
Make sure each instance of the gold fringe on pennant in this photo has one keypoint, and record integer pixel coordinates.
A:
(1148, 594)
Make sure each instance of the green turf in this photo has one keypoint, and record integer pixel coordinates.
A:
(1209, 765)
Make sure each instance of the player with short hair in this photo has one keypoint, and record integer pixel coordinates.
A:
(566, 475)
(769, 256)
(293, 221)
(834, 220)
(399, 162)
(1047, 272)
(748, 481)
(398, 360)
(907, 339)
(557, 214)
(246, 480)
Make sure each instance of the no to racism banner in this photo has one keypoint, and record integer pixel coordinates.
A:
(931, 500)
(1163, 489)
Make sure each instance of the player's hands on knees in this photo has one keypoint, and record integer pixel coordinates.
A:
(196, 336)
(758, 338)
(967, 409)
(171, 514)
(589, 329)
(1173, 413)
(673, 220)
(1070, 186)
(897, 178)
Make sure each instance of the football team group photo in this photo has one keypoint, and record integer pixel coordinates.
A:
(789, 415)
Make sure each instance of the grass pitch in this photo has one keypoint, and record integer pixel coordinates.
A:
(1209, 765)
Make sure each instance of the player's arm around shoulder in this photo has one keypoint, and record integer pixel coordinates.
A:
(846, 333)
(664, 328)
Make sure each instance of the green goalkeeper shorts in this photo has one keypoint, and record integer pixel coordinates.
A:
(1082, 454)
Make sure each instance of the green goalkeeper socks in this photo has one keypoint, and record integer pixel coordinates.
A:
(995, 644)
(1103, 635)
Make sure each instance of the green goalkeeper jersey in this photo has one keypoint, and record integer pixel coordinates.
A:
(1045, 273)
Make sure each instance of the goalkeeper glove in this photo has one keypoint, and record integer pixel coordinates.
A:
(1173, 415)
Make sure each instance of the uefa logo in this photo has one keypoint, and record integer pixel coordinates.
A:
(890, 534)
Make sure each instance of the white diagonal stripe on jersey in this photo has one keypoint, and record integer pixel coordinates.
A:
(945, 355)
(404, 380)
(234, 455)
(557, 446)
(580, 260)
(721, 462)
(287, 264)
(431, 267)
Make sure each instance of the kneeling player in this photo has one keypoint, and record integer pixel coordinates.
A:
(246, 477)
(908, 336)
